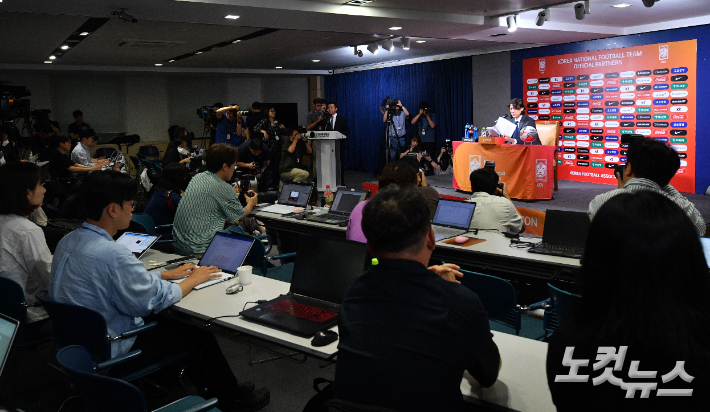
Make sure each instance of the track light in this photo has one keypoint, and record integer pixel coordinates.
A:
(541, 18)
(405, 43)
(512, 23)
(355, 50)
(649, 3)
(388, 45)
(359, 53)
(579, 11)
(373, 48)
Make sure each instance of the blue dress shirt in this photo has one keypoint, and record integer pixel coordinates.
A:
(91, 270)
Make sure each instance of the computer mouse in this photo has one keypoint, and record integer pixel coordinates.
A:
(324, 337)
(234, 288)
(299, 210)
(461, 239)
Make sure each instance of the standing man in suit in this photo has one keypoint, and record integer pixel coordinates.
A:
(338, 124)
(517, 108)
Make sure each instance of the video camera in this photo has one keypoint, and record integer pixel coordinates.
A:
(449, 146)
(206, 112)
(12, 104)
(390, 104)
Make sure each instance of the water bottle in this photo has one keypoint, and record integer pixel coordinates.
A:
(328, 196)
(467, 132)
(475, 133)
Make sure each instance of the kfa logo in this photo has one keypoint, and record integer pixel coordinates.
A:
(541, 170)
(474, 163)
(543, 65)
(663, 52)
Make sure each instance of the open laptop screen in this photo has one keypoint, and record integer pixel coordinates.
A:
(227, 252)
(346, 200)
(454, 213)
(295, 194)
(137, 243)
(564, 228)
(325, 268)
(8, 329)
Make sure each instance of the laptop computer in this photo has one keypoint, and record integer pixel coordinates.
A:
(227, 252)
(8, 332)
(137, 243)
(343, 204)
(292, 195)
(322, 274)
(452, 218)
(565, 234)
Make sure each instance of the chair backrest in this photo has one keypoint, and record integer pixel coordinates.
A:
(145, 221)
(548, 132)
(149, 150)
(106, 152)
(561, 309)
(497, 296)
(101, 393)
(77, 325)
(12, 299)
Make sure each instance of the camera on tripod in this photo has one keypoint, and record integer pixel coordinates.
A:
(205, 112)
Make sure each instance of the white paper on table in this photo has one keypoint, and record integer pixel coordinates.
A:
(505, 127)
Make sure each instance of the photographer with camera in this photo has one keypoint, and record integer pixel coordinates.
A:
(396, 114)
(426, 127)
(253, 118)
(291, 168)
(229, 128)
(318, 117)
(78, 125)
(254, 159)
(443, 164)
(494, 209)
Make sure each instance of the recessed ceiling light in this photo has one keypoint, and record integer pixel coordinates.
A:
(622, 5)
(52, 57)
(231, 16)
(278, 67)
(170, 61)
(315, 61)
(84, 33)
(158, 64)
(48, 61)
(65, 47)
(236, 41)
(395, 28)
(421, 41)
(198, 52)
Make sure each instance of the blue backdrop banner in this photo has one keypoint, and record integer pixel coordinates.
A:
(445, 84)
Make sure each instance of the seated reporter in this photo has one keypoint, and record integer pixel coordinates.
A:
(166, 198)
(291, 168)
(430, 194)
(210, 202)
(24, 255)
(408, 332)
(494, 209)
(645, 286)
(60, 164)
(177, 152)
(91, 270)
(82, 152)
(443, 164)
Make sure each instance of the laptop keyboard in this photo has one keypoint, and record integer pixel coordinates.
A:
(564, 250)
(329, 217)
(302, 311)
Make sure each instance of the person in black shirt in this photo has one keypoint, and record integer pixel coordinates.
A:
(60, 164)
(177, 151)
(408, 332)
(254, 158)
(253, 119)
(78, 125)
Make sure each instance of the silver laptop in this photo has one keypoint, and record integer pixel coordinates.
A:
(8, 331)
(137, 243)
(292, 195)
(452, 218)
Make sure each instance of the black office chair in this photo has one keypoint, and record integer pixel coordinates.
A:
(14, 305)
(102, 393)
(149, 151)
(107, 152)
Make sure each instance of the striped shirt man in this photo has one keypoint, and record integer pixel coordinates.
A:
(203, 209)
(637, 184)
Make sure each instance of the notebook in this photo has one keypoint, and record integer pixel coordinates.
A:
(292, 195)
(452, 218)
(8, 331)
(343, 204)
(137, 243)
(227, 252)
(565, 234)
(322, 274)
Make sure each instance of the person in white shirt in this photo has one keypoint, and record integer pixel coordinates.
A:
(81, 153)
(494, 209)
(24, 255)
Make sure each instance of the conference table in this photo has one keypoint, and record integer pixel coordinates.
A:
(521, 384)
(528, 170)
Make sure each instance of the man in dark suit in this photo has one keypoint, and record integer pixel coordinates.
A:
(517, 108)
(339, 124)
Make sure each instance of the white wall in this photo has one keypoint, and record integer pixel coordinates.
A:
(148, 104)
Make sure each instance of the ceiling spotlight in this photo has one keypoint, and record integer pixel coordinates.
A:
(315, 61)
(373, 48)
(395, 28)
(236, 41)
(421, 41)
(171, 60)
(158, 64)
(622, 5)
(512, 23)
(123, 16)
(388, 45)
(84, 33)
(198, 52)
(231, 16)
(48, 61)
(65, 47)
(579, 11)
(52, 57)
(405, 43)
(649, 3)
(541, 18)
(355, 50)
(359, 53)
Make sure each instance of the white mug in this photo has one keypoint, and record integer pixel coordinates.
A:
(244, 273)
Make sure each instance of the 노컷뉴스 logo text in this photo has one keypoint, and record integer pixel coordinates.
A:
(605, 356)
